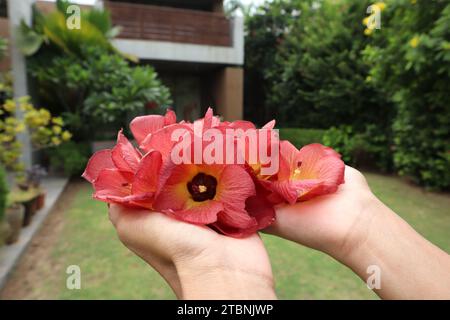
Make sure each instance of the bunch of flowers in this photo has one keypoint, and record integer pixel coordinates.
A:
(227, 175)
(45, 131)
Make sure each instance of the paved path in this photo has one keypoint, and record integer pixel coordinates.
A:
(10, 255)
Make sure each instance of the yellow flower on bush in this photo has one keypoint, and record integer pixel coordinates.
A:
(380, 5)
(10, 106)
(57, 129)
(66, 136)
(365, 21)
(20, 128)
(368, 32)
(45, 131)
(45, 116)
(56, 141)
(58, 121)
(6, 138)
(414, 42)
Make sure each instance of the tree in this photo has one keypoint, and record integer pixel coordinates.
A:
(410, 61)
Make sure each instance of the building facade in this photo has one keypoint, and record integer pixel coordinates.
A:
(197, 51)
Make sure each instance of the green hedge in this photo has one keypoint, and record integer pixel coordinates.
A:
(70, 157)
(300, 137)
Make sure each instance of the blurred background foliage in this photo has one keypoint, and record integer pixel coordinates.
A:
(79, 75)
(382, 95)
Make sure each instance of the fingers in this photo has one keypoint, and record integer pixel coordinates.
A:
(114, 212)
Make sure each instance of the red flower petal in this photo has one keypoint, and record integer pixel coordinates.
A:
(199, 212)
(286, 189)
(323, 166)
(142, 126)
(237, 219)
(321, 172)
(124, 155)
(99, 161)
(289, 160)
(161, 140)
(170, 117)
(269, 125)
(241, 124)
(146, 178)
(174, 195)
(260, 207)
(208, 119)
(112, 184)
(234, 187)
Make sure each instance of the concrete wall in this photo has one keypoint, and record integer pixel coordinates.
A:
(171, 51)
(229, 93)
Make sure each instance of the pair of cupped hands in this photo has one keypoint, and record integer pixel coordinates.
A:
(199, 263)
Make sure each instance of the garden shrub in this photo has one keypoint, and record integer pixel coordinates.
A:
(386, 91)
(301, 137)
(369, 149)
(410, 60)
(70, 157)
(80, 75)
(100, 90)
(306, 63)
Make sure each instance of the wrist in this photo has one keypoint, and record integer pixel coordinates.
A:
(369, 213)
(211, 280)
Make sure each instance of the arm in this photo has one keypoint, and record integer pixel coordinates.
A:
(195, 261)
(411, 266)
(358, 230)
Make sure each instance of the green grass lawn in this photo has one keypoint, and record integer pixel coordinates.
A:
(109, 271)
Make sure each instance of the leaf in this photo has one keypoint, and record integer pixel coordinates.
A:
(28, 41)
(113, 32)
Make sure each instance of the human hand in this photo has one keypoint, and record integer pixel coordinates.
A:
(196, 261)
(358, 230)
(333, 223)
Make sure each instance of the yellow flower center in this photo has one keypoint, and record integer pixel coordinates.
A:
(202, 188)
(296, 173)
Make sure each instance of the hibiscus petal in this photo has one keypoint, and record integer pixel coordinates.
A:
(269, 125)
(99, 161)
(321, 171)
(124, 154)
(237, 218)
(146, 178)
(142, 126)
(170, 117)
(208, 119)
(286, 189)
(235, 185)
(200, 212)
(241, 124)
(311, 157)
(161, 140)
(233, 231)
(289, 160)
(174, 194)
(260, 207)
(112, 184)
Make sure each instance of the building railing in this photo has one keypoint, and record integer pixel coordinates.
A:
(147, 22)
